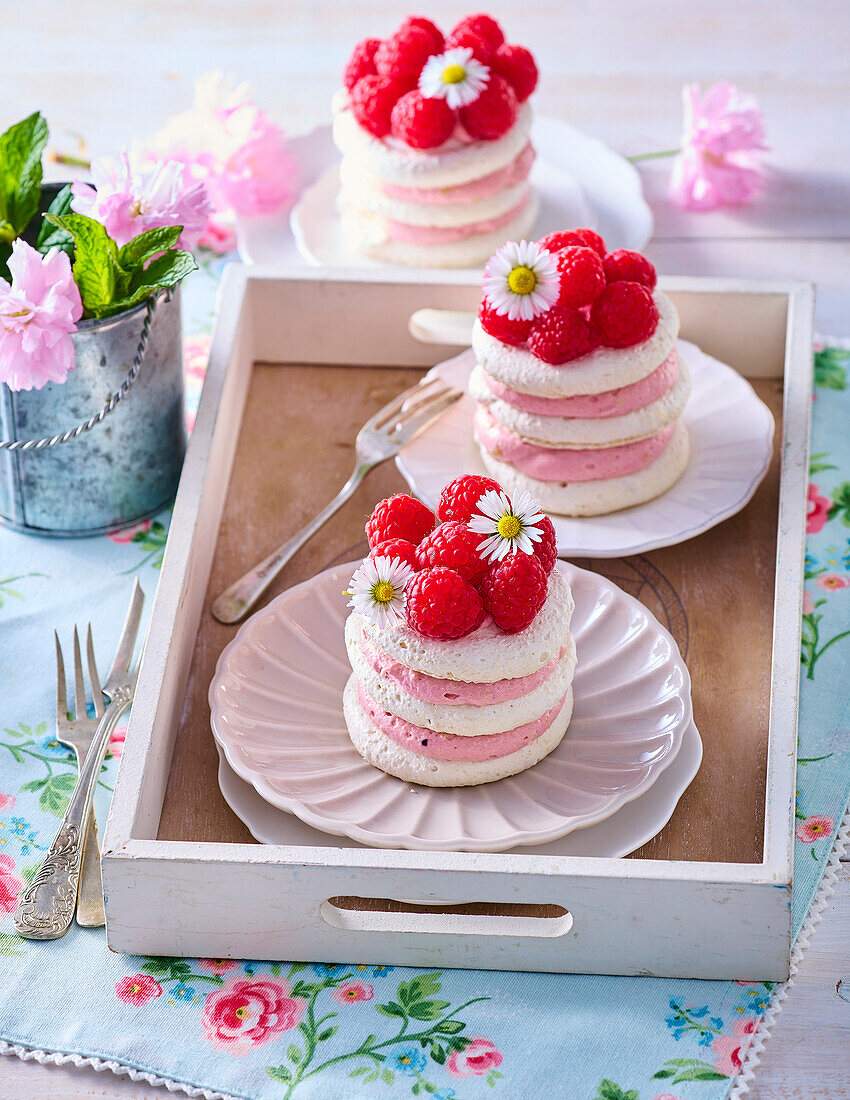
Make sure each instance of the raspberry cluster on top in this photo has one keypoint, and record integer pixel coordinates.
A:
(459, 638)
(579, 384)
(434, 136)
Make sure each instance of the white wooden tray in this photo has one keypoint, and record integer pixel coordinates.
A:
(711, 917)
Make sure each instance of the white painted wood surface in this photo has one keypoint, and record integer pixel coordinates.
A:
(111, 71)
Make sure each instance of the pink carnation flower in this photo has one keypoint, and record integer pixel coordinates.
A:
(718, 163)
(814, 827)
(39, 310)
(476, 1059)
(233, 146)
(244, 1014)
(129, 198)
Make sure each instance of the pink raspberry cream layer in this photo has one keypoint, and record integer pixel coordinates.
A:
(595, 406)
(438, 234)
(447, 746)
(474, 191)
(563, 464)
(430, 689)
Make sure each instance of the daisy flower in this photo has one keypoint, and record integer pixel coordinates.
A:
(521, 280)
(509, 527)
(454, 76)
(378, 590)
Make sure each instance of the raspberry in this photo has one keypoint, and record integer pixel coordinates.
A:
(452, 544)
(493, 113)
(546, 551)
(372, 101)
(399, 517)
(422, 123)
(627, 266)
(396, 548)
(624, 314)
(560, 335)
(483, 25)
(459, 499)
(431, 29)
(361, 63)
(498, 325)
(514, 591)
(402, 56)
(582, 276)
(591, 240)
(441, 604)
(481, 48)
(517, 66)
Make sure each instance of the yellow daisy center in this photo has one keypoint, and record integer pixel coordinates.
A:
(509, 527)
(454, 74)
(522, 280)
(383, 592)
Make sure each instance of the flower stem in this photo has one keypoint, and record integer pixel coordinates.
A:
(638, 157)
(70, 160)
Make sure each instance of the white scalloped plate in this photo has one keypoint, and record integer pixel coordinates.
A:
(731, 432)
(581, 181)
(276, 711)
(618, 835)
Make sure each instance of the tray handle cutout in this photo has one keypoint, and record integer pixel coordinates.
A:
(442, 326)
(383, 915)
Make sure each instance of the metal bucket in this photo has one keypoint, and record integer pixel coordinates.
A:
(103, 449)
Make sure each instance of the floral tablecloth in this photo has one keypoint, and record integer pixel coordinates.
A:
(273, 1030)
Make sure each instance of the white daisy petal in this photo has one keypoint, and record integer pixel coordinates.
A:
(372, 573)
(525, 304)
(455, 76)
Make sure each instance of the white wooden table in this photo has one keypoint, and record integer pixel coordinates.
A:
(112, 71)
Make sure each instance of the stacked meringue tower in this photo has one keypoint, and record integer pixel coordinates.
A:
(434, 136)
(459, 639)
(578, 382)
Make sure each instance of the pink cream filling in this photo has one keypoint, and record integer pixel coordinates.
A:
(434, 234)
(474, 191)
(595, 406)
(448, 746)
(430, 689)
(561, 464)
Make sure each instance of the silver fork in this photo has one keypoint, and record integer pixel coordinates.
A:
(380, 438)
(46, 907)
(77, 734)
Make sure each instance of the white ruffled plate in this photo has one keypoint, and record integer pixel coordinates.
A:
(581, 182)
(276, 712)
(731, 434)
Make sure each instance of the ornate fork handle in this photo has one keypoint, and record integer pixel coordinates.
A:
(46, 907)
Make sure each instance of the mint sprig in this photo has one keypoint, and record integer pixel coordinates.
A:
(112, 280)
(21, 147)
(51, 236)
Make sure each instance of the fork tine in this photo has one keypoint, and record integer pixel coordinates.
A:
(61, 702)
(94, 679)
(421, 418)
(79, 686)
(440, 400)
(397, 404)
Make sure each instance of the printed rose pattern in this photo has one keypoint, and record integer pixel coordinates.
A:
(245, 1014)
(137, 989)
(476, 1060)
(11, 885)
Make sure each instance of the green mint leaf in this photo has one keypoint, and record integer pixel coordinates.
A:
(97, 273)
(53, 236)
(165, 271)
(21, 147)
(147, 245)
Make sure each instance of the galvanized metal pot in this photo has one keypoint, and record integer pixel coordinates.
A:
(127, 464)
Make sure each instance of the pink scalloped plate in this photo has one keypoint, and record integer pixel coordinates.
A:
(276, 713)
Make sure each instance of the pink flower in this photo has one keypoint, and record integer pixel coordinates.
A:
(349, 992)
(7, 802)
(666, 1096)
(127, 534)
(717, 165)
(244, 1014)
(476, 1059)
(116, 741)
(808, 602)
(219, 234)
(129, 198)
(233, 146)
(813, 828)
(730, 1049)
(218, 966)
(138, 989)
(196, 353)
(38, 312)
(833, 581)
(10, 885)
(817, 511)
